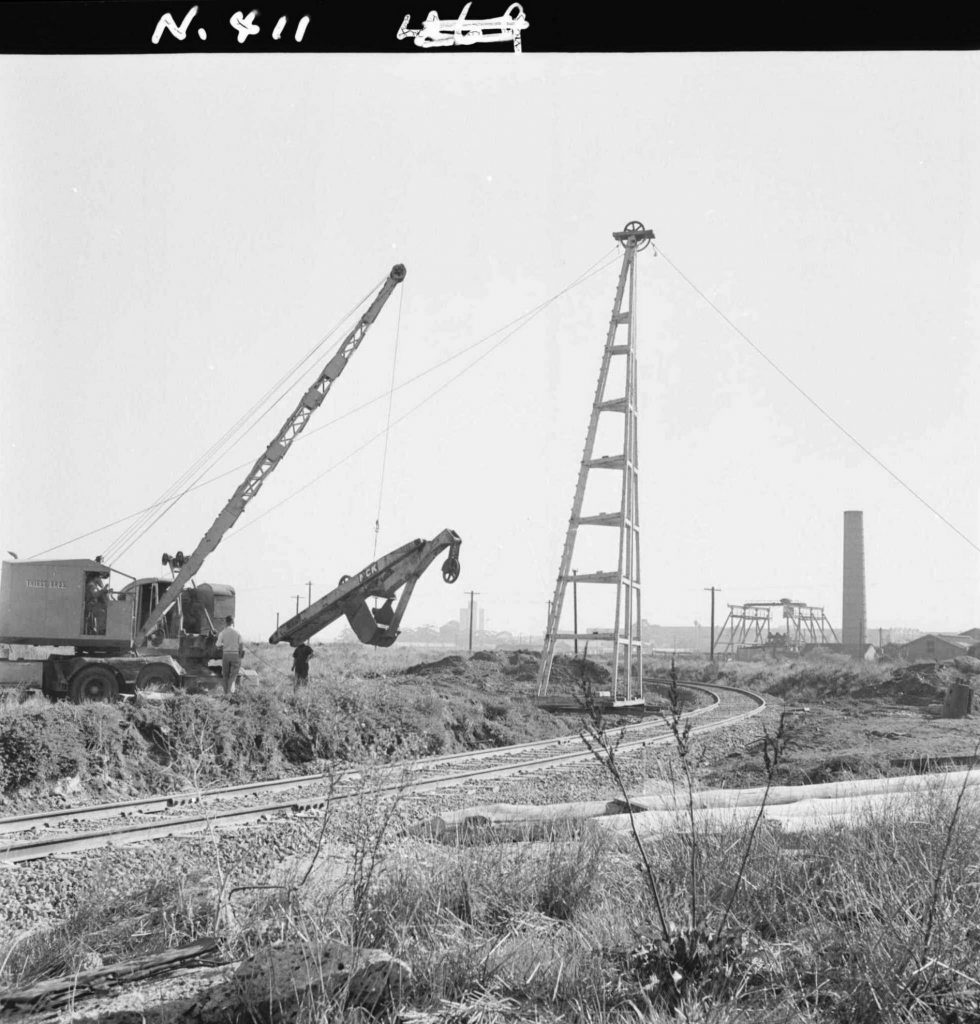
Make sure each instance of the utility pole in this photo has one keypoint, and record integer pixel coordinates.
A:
(277, 620)
(309, 593)
(574, 607)
(712, 589)
(297, 596)
(472, 595)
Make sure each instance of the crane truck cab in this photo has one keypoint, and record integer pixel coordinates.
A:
(68, 605)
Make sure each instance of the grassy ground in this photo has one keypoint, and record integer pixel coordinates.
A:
(860, 721)
(872, 924)
(359, 705)
(869, 924)
(853, 721)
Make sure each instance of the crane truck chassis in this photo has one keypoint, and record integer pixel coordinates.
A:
(153, 633)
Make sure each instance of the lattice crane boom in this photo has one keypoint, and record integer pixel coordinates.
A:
(270, 458)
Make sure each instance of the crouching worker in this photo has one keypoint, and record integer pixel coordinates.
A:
(232, 651)
(301, 665)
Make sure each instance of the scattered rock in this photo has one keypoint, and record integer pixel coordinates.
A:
(273, 984)
(67, 787)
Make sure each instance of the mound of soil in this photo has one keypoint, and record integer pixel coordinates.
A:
(912, 685)
(906, 686)
(511, 672)
(454, 664)
(522, 665)
(482, 670)
(572, 675)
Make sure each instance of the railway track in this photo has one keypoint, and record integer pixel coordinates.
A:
(64, 829)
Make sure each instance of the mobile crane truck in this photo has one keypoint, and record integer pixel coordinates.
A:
(153, 634)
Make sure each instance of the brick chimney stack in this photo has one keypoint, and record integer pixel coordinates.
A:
(854, 615)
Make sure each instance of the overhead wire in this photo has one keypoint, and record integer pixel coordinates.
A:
(432, 394)
(520, 320)
(391, 395)
(823, 412)
(213, 454)
(240, 428)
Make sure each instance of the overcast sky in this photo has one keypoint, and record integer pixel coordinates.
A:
(179, 231)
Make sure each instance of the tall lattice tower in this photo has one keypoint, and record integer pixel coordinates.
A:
(624, 632)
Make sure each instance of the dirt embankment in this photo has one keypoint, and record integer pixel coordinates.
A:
(51, 754)
(849, 721)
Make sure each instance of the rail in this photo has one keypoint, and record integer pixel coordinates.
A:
(497, 762)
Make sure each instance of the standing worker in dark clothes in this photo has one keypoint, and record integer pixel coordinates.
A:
(232, 650)
(301, 664)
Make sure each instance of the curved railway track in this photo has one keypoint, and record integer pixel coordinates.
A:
(729, 705)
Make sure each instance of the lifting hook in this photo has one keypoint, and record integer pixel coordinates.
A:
(450, 568)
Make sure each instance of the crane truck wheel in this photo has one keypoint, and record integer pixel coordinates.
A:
(156, 679)
(93, 683)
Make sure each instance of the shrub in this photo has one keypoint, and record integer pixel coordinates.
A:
(40, 745)
(207, 740)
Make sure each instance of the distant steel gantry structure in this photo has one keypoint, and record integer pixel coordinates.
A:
(750, 625)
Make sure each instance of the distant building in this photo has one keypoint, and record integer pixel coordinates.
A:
(941, 646)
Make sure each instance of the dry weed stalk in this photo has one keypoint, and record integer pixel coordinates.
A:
(697, 956)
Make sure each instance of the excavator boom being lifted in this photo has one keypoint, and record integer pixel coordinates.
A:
(382, 578)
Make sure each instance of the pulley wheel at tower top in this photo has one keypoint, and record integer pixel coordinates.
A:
(636, 227)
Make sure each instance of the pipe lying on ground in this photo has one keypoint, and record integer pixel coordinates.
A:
(804, 812)
(470, 819)
(791, 807)
(800, 817)
(753, 796)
